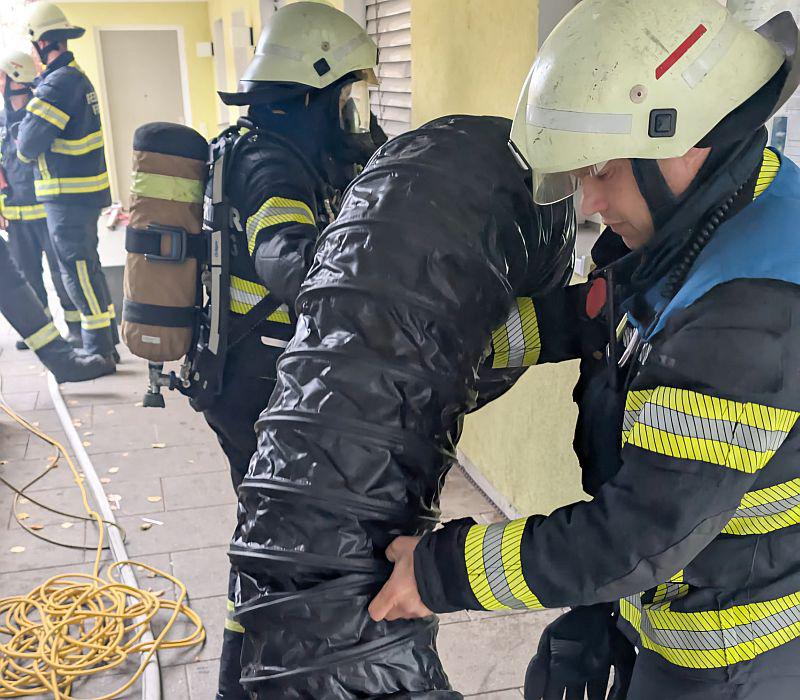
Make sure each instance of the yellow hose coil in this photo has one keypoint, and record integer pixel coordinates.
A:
(78, 625)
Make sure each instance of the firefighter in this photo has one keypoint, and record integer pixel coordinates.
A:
(61, 136)
(25, 218)
(309, 130)
(23, 310)
(689, 394)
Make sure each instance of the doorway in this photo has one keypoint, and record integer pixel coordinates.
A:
(144, 80)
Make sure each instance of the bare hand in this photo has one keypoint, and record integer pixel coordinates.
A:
(399, 598)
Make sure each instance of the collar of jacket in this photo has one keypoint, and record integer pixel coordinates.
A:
(63, 60)
(758, 243)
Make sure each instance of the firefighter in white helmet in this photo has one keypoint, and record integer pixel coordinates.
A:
(308, 131)
(689, 341)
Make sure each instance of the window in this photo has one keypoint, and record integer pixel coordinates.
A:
(389, 24)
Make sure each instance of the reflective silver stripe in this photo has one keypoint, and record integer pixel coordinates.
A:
(245, 297)
(345, 50)
(516, 340)
(495, 572)
(732, 433)
(774, 508)
(712, 55)
(579, 122)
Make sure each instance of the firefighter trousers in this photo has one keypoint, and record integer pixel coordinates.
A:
(73, 233)
(248, 381)
(27, 240)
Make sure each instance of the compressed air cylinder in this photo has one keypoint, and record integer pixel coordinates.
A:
(162, 287)
(435, 239)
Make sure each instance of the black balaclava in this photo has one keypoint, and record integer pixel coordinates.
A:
(14, 115)
(311, 122)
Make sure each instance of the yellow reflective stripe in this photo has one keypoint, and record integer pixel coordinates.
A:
(78, 147)
(671, 590)
(41, 163)
(24, 212)
(769, 170)
(112, 312)
(24, 158)
(511, 556)
(71, 185)
(246, 294)
(501, 348)
(49, 112)
(231, 624)
(476, 570)
(718, 638)
(168, 187)
(46, 334)
(766, 510)
(88, 291)
(690, 425)
(634, 402)
(516, 343)
(277, 210)
(95, 321)
(492, 554)
(280, 315)
(72, 316)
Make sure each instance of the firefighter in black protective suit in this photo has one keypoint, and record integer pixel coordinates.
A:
(689, 393)
(307, 132)
(62, 136)
(28, 237)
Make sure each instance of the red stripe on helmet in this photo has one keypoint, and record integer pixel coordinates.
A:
(678, 53)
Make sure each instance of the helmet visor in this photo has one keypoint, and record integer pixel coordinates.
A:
(354, 108)
(549, 188)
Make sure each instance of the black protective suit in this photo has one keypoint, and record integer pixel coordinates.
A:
(434, 241)
(28, 236)
(283, 189)
(18, 303)
(62, 136)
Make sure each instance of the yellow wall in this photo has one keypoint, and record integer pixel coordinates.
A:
(191, 16)
(470, 56)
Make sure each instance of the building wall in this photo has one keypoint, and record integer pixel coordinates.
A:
(192, 17)
(472, 56)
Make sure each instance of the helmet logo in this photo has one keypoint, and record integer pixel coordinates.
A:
(681, 51)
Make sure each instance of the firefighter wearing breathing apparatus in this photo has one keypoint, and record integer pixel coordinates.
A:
(62, 137)
(689, 393)
(307, 132)
(28, 237)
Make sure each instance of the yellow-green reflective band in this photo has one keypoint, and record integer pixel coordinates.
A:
(88, 290)
(673, 589)
(72, 316)
(41, 163)
(71, 185)
(95, 321)
(112, 312)
(280, 315)
(246, 294)
(767, 510)
(277, 210)
(230, 624)
(50, 113)
(25, 212)
(516, 343)
(173, 189)
(492, 554)
(690, 425)
(46, 334)
(716, 638)
(769, 170)
(78, 147)
(24, 158)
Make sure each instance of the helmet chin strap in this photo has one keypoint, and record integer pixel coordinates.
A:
(45, 52)
(656, 192)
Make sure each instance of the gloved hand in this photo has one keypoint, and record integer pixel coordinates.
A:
(575, 657)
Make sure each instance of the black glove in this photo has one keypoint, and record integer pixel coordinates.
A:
(575, 657)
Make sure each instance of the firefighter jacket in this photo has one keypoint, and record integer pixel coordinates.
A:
(279, 210)
(62, 136)
(17, 197)
(697, 533)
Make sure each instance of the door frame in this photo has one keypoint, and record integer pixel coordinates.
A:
(183, 69)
